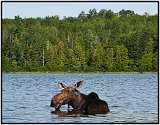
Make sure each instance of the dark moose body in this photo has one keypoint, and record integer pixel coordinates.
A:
(90, 104)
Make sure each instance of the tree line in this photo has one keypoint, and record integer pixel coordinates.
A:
(95, 41)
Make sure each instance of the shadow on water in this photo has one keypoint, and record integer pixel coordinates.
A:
(73, 113)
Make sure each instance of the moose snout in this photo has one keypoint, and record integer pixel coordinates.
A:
(56, 106)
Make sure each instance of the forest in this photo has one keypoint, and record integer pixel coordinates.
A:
(101, 41)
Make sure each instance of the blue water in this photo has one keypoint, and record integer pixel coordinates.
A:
(132, 98)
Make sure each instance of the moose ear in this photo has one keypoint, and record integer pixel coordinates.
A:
(78, 84)
(61, 86)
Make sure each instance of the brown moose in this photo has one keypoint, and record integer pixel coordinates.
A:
(90, 104)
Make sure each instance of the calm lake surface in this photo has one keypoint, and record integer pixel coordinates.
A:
(132, 98)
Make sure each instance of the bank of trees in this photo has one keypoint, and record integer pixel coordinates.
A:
(96, 41)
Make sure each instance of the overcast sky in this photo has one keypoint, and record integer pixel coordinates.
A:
(43, 9)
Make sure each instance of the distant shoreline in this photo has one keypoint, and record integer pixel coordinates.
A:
(79, 72)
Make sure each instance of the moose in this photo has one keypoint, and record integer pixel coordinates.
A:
(90, 104)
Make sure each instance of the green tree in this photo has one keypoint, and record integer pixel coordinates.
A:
(108, 60)
(80, 55)
(146, 62)
(121, 58)
(155, 62)
(98, 56)
(82, 16)
(103, 40)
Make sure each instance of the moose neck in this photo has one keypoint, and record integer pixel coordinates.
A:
(78, 100)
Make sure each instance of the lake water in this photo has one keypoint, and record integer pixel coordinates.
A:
(132, 98)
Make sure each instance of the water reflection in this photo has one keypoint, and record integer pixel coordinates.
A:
(70, 113)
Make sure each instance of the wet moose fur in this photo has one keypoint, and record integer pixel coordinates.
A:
(90, 104)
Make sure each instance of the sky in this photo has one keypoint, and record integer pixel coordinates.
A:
(73, 9)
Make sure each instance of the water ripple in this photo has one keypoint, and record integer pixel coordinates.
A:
(131, 98)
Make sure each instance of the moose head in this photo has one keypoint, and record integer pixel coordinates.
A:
(67, 95)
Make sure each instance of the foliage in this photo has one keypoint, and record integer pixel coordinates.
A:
(98, 41)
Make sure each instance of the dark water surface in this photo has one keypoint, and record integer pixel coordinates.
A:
(132, 98)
